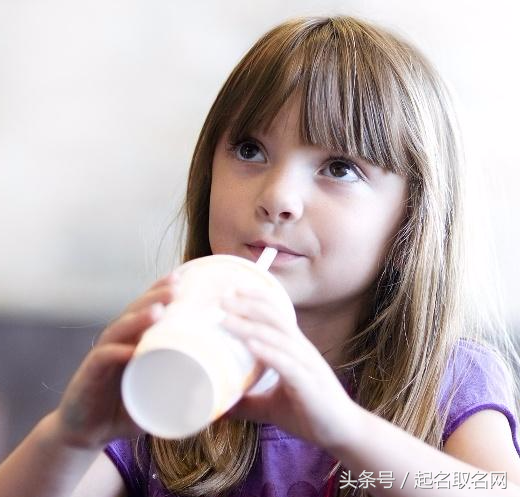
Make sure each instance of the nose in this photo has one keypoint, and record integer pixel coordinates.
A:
(281, 196)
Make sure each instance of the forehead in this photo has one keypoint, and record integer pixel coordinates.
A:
(286, 121)
(289, 119)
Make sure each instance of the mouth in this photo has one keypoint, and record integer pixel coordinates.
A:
(261, 244)
(284, 255)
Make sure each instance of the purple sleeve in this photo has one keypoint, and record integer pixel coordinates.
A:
(121, 452)
(481, 382)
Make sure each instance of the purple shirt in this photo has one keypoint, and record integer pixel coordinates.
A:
(286, 466)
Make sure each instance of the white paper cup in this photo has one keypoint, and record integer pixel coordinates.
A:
(188, 370)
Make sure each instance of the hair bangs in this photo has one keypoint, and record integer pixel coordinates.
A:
(349, 100)
(264, 87)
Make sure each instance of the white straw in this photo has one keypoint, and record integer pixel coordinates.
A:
(266, 257)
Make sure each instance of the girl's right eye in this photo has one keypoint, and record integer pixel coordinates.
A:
(247, 150)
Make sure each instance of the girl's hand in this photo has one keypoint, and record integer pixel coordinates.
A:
(308, 401)
(91, 412)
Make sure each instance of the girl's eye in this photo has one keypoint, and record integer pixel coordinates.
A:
(343, 169)
(248, 151)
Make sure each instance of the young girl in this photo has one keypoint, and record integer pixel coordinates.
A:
(334, 142)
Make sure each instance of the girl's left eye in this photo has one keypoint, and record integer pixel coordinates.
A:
(345, 169)
(247, 150)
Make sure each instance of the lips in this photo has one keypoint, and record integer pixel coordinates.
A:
(281, 248)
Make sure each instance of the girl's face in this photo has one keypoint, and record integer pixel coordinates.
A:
(337, 213)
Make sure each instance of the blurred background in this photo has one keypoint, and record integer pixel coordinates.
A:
(101, 103)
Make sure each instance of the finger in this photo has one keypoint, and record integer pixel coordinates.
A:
(100, 367)
(291, 371)
(164, 295)
(263, 296)
(249, 331)
(130, 327)
(292, 355)
(171, 277)
(259, 310)
(246, 328)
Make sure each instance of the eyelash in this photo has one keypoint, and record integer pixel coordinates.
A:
(234, 147)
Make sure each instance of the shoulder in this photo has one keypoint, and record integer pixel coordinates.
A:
(132, 460)
(476, 379)
(101, 479)
(484, 441)
(470, 357)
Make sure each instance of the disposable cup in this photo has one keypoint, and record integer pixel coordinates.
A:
(188, 370)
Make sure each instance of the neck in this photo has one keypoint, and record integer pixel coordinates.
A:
(329, 326)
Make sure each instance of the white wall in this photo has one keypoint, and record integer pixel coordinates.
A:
(101, 103)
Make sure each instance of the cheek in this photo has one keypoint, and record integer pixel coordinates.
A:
(224, 210)
(358, 244)
(217, 207)
(215, 216)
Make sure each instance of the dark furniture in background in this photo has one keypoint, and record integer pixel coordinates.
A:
(37, 360)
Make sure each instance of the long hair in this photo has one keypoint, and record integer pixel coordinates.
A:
(368, 93)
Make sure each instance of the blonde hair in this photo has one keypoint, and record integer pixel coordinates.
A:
(364, 91)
